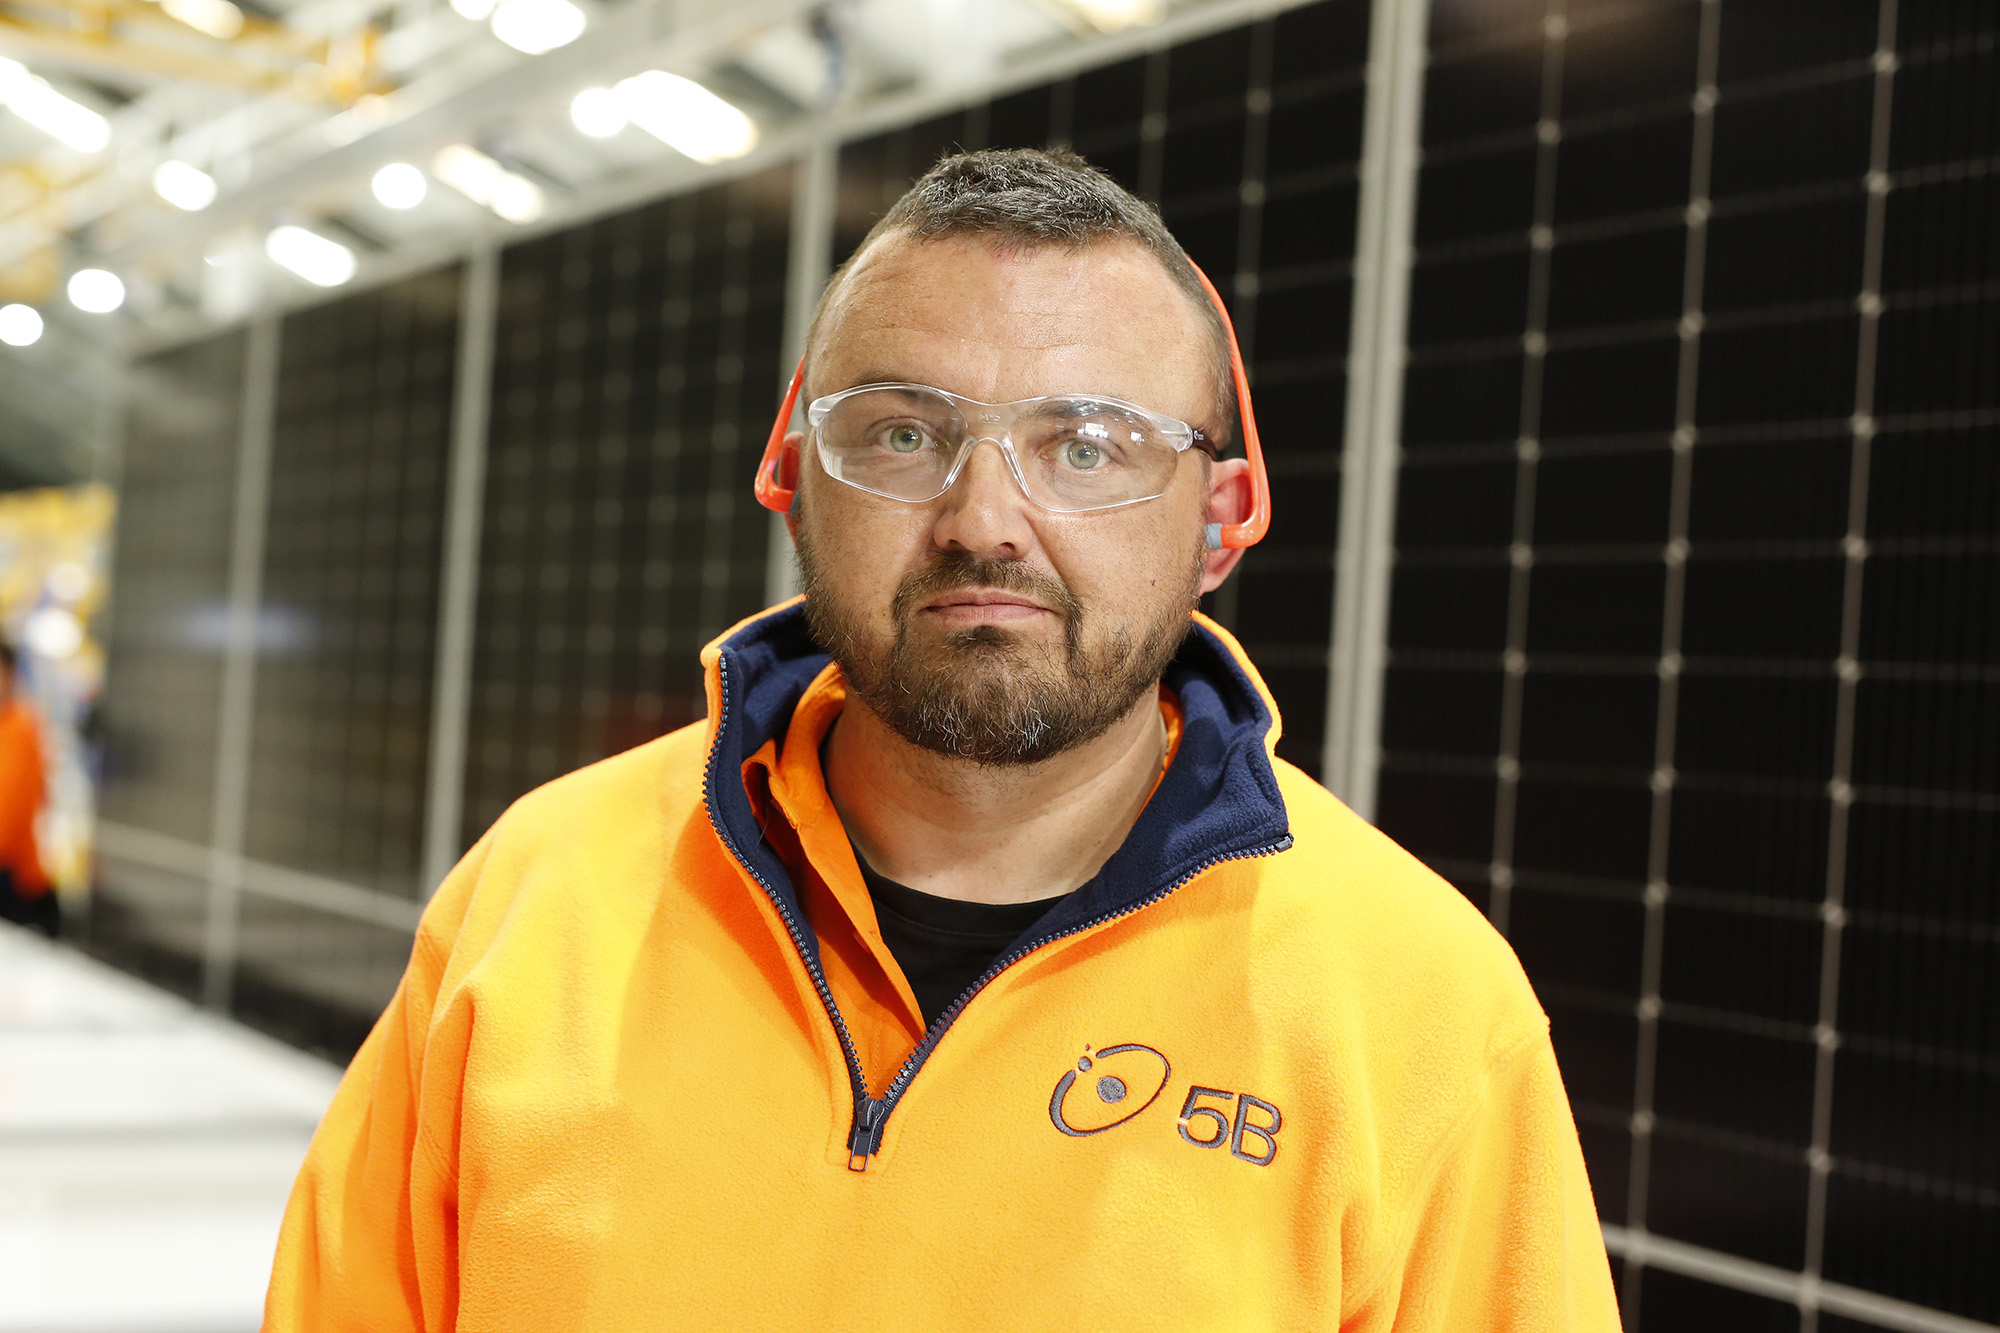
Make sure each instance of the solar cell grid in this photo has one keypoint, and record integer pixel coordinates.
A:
(1732, 704)
(349, 589)
(637, 359)
(163, 647)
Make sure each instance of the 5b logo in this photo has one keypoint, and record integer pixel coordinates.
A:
(1108, 1087)
(1216, 1127)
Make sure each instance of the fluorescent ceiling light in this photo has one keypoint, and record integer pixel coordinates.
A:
(217, 18)
(686, 116)
(535, 26)
(312, 256)
(53, 632)
(484, 181)
(596, 112)
(1117, 15)
(20, 325)
(186, 187)
(30, 97)
(400, 185)
(95, 291)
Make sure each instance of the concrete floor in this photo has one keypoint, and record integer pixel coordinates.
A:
(146, 1149)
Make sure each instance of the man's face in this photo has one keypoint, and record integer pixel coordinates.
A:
(978, 624)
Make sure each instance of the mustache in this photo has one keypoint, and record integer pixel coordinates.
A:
(961, 569)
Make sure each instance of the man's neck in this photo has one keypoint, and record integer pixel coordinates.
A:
(980, 833)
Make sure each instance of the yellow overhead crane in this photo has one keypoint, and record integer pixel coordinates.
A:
(200, 41)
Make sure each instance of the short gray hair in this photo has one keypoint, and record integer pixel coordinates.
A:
(1044, 197)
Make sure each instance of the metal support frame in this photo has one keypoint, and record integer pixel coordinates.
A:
(1639, 1166)
(458, 576)
(320, 893)
(1848, 668)
(1378, 348)
(239, 665)
(815, 189)
(667, 176)
(1801, 1289)
(454, 103)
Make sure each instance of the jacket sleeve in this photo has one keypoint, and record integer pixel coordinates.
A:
(1502, 1234)
(369, 1236)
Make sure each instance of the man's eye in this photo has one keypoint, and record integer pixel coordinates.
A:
(1083, 455)
(905, 439)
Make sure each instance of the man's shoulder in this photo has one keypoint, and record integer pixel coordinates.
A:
(628, 790)
(586, 842)
(1387, 929)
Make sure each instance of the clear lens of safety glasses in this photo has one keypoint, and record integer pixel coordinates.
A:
(1069, 453)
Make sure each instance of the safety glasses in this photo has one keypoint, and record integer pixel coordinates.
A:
(1069, 454)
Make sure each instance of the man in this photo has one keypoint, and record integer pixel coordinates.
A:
(992, 973)
(26, 896)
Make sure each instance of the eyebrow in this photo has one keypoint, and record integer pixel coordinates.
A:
(1204, 440)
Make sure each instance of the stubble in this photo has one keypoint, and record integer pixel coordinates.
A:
(989, 694)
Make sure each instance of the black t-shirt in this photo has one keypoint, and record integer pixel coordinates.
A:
(944, 945)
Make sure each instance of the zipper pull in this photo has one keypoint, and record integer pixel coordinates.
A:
(869, 1113)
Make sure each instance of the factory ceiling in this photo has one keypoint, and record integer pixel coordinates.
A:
(170, 165)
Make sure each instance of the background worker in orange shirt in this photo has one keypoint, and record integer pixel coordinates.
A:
(26, 896)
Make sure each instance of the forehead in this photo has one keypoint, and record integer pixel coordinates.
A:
(1000, 322)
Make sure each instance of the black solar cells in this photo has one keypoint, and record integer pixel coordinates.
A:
(1689, 612)
(636, 369)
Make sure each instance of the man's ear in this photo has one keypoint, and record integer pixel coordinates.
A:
(788, 476)
(1228, 502)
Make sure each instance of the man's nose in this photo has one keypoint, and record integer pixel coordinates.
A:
(984, 511)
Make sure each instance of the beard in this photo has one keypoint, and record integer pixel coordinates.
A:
(988, 694)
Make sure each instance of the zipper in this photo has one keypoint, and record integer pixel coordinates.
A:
(856, 1076)
(881, 1106)
(864, 1138)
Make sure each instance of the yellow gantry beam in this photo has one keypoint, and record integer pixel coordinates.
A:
(257, 57)
(135, 36)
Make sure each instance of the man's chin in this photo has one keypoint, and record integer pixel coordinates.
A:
(921, 639)
(1000, 637)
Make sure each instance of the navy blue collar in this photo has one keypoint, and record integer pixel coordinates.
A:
(1218, 800)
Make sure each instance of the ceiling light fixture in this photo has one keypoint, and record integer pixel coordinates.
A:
(596, 112)
(312, 256)
(20, 325)
(53, 632)
(95, 291)
(685, 116)
(536, 26)
(30, 97)
(482, 180)
(400, 185)
(186, 187)
(215, 18)
(1118, 15)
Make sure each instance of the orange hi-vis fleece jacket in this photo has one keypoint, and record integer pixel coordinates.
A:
(652, 1067)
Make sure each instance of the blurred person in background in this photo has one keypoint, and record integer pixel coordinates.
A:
(26, 895)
